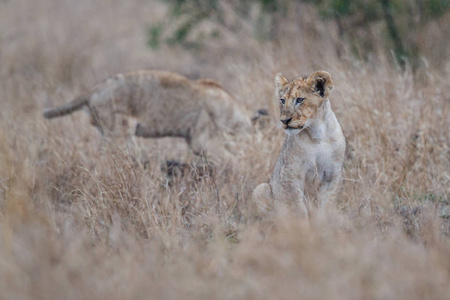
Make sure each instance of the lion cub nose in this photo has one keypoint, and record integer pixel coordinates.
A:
(286, 121)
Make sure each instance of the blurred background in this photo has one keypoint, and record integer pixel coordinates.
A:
(407, 31)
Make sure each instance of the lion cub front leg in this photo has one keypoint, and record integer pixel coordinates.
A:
(201, 135)
(207, 137)
(328, 191)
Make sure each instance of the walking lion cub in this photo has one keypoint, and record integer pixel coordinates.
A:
(309, 167)
(165, 105)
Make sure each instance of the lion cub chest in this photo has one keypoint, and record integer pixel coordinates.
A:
(319, 167)
(303, 167)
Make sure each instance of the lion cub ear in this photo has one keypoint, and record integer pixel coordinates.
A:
(280, 82)
(321, 83)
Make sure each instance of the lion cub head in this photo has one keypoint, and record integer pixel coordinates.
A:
(301, 98)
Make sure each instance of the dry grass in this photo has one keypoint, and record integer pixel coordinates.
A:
(83, 218)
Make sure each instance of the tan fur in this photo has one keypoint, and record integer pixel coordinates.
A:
(309, 168)
(165, 104)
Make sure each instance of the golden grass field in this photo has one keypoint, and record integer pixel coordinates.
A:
(83, 217)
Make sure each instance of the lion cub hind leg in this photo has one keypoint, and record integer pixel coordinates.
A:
(262, 197)
(102, 119)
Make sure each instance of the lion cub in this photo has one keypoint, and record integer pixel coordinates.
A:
(309, 167)
(165, 104)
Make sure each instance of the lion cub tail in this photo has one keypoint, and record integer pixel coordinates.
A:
(66, 109)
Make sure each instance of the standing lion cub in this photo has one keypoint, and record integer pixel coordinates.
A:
(165, 105)
(309, 167)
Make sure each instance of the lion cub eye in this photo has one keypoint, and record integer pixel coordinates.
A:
(282, 101)
(299, 100)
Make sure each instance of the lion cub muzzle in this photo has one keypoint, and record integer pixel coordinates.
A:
(286, 121)
(288, 124)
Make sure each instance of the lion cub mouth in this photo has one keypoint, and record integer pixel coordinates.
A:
(292, 128)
